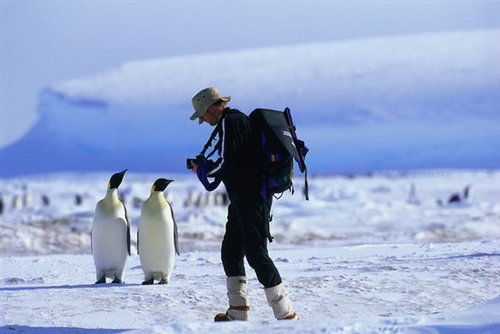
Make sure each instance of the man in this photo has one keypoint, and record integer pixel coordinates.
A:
(247, 228)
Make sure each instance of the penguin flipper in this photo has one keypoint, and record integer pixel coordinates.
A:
(176, 239)
(128, 229)
(137, 242)
(128, 239)
(91, 246)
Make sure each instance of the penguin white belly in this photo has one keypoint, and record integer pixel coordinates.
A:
(156, 244)
(109, 246)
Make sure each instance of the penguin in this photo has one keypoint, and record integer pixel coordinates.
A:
(137, 202)
(16, 202)
(412, 196)
(110, 234)
(157, 241)
(225, 199)
(78, 199)
(189, 201)
(45, 200)
(218, 199)
(26, 200)
(457, 198)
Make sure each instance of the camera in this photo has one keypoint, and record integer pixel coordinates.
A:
(200, 159)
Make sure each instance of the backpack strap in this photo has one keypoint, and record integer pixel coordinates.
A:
(306, 185)
(218, 145)
(301, 148)
(208, 166)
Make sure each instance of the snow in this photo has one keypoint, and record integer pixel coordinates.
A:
(89, 36)
(367, 254)
(397, 102)
(417, 67)
(439, 93)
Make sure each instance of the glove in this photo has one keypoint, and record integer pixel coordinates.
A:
(202, 172)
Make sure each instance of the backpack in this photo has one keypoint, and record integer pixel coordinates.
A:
(279, 147)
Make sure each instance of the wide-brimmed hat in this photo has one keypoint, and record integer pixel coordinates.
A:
(204, 99)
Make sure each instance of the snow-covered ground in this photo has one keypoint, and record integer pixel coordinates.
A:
(374, 86)
(351, 289)
(367, 254)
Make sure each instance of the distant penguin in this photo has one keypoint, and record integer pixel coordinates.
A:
(45, 200)
(199, 201)
(225, 199)
(78, 199)
(16, 202)
(189, 200)
(137, 202)
(157, 236)
(122, 196)
(412, 196)
(457, 198)
(110, 234)
(26, 200)
(218, 199)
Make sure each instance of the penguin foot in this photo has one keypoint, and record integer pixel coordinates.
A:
(102, 280)
(163, 281)
(117, 281)
(149, 282)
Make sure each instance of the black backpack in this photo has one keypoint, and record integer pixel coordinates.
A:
(274, 133)
(279, 146)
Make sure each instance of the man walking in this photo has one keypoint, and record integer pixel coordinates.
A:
(247, 228)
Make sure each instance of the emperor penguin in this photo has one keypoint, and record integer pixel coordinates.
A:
(110, 234)
(157, 241)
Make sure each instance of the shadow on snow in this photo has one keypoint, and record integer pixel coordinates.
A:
(14, 329)
(67, 287)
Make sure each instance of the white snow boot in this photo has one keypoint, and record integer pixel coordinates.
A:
(238, 300)
(280, 303)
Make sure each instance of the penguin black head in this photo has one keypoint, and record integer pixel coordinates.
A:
(161, 184)
(116, 179)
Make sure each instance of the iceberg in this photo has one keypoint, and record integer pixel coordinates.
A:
(401, 102)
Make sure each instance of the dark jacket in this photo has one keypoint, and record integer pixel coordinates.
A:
(239, 169)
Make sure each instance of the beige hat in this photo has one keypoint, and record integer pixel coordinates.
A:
(204, 99)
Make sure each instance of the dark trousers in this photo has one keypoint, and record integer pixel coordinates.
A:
(247, 232)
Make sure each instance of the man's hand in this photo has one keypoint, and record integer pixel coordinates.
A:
(194, 166)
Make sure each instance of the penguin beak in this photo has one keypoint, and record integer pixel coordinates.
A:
(116, 179)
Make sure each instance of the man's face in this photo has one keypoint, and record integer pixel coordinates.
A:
(210, 116)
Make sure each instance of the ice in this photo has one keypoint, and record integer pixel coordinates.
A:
(356, 258)
(397, 102)
(439, 94)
